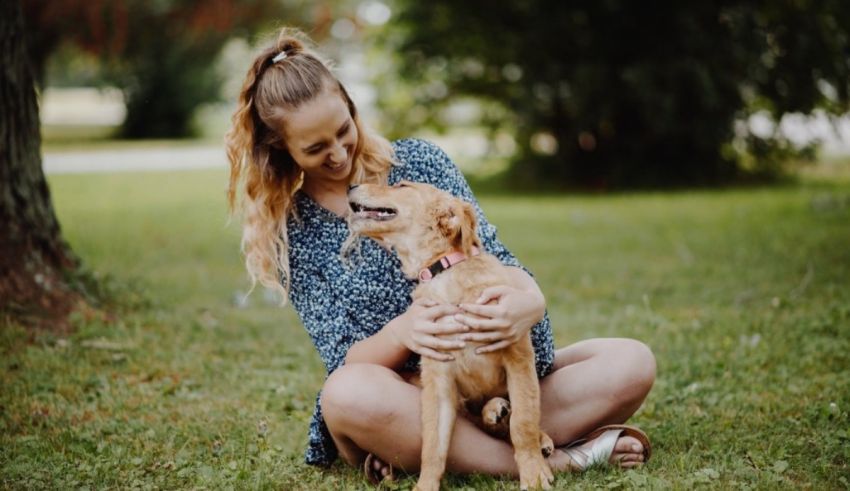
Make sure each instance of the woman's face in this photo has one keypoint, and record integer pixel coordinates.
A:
(321, 136)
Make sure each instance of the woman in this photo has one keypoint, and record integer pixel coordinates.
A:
(295, 147)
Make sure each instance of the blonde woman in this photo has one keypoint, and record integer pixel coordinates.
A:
(295, 147)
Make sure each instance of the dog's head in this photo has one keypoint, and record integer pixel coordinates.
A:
(418, 220)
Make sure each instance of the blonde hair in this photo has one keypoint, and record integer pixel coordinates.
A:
(263, 171)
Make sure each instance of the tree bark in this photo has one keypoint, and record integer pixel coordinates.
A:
(35, 262)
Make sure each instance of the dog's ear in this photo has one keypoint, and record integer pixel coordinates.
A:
(468, 227)
(457, 223)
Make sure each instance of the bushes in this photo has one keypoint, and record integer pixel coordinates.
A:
(630, 95)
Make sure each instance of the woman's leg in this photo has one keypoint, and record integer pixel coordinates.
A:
(369, 408)
(594, 383)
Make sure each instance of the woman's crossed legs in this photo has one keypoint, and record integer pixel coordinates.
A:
(371, 409)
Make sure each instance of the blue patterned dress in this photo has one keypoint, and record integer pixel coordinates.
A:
(342, 303)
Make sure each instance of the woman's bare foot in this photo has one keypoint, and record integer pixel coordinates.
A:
(628, 452)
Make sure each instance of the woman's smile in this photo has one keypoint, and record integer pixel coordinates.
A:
(321, 136)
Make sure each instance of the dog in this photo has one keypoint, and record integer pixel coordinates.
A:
(434, 236)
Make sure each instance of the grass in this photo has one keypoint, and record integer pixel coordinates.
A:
(743, 296)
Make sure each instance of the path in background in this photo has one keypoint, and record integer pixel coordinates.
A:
(90, 106)
(136, 159)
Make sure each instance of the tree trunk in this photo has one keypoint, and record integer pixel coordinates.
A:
(35, 262)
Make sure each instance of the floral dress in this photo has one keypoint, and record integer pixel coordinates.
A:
(342, 302)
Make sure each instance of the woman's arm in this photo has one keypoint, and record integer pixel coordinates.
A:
(416, 331)
(522, 280)
(504, 314)
(381, 348)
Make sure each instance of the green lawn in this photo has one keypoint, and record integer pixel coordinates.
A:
(744, 296)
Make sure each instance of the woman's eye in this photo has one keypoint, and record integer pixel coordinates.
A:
(344, 130)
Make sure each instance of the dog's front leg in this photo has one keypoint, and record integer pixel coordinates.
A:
(524, 392)
(439, 411)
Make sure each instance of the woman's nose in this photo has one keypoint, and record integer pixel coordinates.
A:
(338, 153)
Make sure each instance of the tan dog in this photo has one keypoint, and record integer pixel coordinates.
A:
(425, 225)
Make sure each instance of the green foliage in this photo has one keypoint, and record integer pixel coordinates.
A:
(620, 93)
(165, 79)
(742, 295)
(162, 54)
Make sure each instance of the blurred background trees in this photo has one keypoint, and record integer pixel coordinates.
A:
(593, 95)
(624, 94)
(161, 54)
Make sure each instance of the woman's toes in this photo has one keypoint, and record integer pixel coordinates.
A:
(631, 457)
(628, 452)
(628, 444)
(381, 466)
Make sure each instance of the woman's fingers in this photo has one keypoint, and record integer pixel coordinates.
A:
(447, 327)
(440, 310)
(495, 346)
(436, 355)
(482, 322)
(484, 337)
(438, 343)
(492, 293)
(425, 302)
(491, 311)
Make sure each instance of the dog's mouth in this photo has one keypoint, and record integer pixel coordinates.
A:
(369, 213)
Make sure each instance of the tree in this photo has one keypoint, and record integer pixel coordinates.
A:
(35, 262)
(621, 93)
(161, 54)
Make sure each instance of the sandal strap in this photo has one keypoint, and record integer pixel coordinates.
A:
(599, 452)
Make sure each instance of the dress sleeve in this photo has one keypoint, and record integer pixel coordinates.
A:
(323, 313)
(328, 325)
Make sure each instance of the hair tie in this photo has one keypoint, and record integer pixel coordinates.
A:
(279, 56)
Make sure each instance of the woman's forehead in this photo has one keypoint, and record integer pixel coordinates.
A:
(317, 118)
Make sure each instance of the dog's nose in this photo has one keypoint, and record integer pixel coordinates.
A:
(352, 187)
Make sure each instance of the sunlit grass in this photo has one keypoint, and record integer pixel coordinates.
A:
(743, 295)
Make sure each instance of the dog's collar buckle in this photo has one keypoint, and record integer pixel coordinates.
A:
(444, 263)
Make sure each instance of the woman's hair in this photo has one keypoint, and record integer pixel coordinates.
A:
(282, 78)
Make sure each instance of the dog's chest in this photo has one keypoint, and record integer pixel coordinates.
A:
(464, 282)
(479, 376)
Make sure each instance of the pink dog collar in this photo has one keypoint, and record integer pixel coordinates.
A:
(444, 263)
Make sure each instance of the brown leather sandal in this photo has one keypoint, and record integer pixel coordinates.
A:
(374, 475)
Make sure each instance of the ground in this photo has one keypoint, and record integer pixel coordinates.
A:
(742, 294)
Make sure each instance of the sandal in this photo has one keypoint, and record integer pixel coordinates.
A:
(374, 475)
(604, 440)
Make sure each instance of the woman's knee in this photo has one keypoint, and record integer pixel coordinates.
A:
(638, 364)
(356, 395)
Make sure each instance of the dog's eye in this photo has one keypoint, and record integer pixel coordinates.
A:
(401, 185)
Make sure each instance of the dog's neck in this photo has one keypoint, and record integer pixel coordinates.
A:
(443, 262)
(414, 257)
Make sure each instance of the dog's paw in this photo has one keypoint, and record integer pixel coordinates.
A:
(534, 473)
(547, 446)
(496, 412)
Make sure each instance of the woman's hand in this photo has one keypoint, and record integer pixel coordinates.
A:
(425, 319)
(501, 316)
